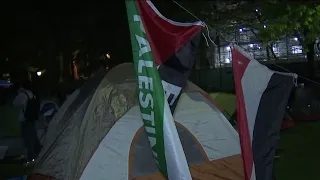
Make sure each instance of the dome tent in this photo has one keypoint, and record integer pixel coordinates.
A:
(98, 134)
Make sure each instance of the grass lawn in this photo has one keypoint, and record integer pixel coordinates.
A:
(9, 169)
(10, 126)
(300, 156)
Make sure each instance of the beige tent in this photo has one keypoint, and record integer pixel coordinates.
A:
(98, 134)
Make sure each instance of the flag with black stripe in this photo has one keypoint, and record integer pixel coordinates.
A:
(173, 45)
(262, 96)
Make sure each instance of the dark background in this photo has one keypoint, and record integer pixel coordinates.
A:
(35, 32)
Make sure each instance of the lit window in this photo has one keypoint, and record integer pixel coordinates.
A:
(275, 50)
(296, 49)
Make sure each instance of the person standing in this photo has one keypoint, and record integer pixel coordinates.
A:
(29, 107)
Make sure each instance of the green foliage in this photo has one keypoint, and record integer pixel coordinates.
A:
(290, 19)
(281, 18)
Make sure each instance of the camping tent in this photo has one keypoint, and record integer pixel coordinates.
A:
(4, 83)
(227, 104)
(98, 134)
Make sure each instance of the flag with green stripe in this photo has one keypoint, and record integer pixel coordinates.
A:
(155, 89)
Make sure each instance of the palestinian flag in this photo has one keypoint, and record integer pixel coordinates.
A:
(173, 47)
(261, 96)
(163, 54)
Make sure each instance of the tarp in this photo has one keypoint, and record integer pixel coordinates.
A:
(100, 134)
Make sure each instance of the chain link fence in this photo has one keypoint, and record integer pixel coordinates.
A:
(213, 70)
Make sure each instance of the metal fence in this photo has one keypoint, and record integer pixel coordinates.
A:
(213, 66)
(287, 49)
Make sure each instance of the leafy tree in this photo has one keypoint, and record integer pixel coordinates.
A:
(269, 20)
(297, 19)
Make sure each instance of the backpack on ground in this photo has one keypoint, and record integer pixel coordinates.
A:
(32, 110)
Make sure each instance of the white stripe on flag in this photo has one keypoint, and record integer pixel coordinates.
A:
(177, 166)
(254, 82)
(253, 173)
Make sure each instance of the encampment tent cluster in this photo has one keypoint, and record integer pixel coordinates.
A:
(146, 121)
(98, 134)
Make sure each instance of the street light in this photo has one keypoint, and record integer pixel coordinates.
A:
(39, 73)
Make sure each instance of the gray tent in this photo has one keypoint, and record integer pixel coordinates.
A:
(98, 134)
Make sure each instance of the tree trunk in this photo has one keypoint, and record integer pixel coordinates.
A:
(272, 52)
(310, 58)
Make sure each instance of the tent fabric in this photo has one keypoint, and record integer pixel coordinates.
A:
(103, 136)
(47, 108)
(79, 126)
(205, 134)
(37, 176)
(262, 96)
(209, 170)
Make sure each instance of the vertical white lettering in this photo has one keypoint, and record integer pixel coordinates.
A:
(155, 155)
(153, 141)
(138, 19)
(148, 117)
(143, 63)
(143, 44)
(145, 101)
(147, 81)
(150, 130)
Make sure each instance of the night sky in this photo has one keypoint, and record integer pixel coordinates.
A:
(40, 30)
(35, 32)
